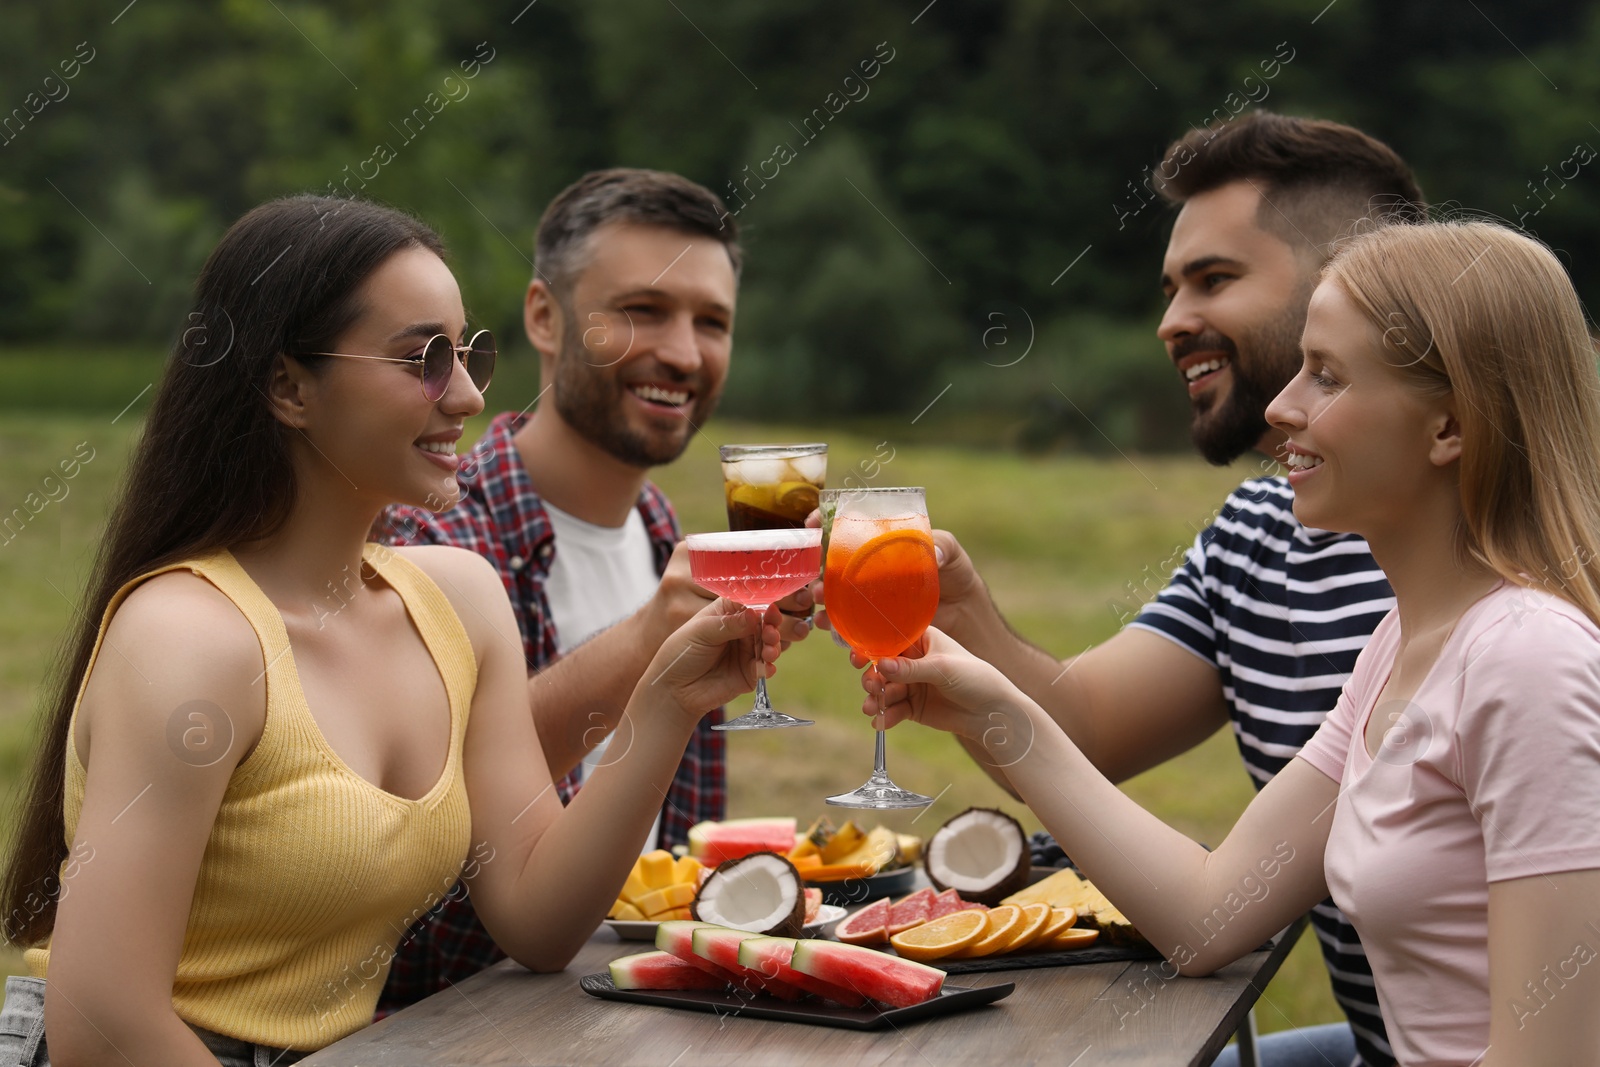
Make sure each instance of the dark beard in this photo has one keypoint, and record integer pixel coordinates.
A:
(1231, 428)
(588, 399)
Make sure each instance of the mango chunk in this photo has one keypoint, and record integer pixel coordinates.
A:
(655, 869)
(673, 896)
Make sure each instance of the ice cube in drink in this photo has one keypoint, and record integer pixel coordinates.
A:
(772, 487)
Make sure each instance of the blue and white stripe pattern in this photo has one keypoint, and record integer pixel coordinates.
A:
(1282, 611)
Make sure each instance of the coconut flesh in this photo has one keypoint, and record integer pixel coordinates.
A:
(981, 854)
(761, 893)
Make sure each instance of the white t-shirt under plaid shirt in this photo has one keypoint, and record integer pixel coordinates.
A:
(1282, 611)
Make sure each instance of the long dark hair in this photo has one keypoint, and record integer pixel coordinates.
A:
(212, 470)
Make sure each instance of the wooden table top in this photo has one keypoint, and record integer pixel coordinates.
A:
(1079, 1016)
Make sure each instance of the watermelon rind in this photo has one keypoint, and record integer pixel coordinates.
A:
(716, 842)
(890, 980)
(771, 955)
(660, 970)
(720, 947)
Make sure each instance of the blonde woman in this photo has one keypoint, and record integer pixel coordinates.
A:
(1447, 410)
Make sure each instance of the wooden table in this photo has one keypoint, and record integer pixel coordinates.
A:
(1079, 1016)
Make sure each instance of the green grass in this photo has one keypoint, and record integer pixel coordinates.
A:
(1068, 545)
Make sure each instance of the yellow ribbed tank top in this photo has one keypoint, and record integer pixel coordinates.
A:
(312, 874)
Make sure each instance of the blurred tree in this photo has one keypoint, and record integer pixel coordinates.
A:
(1003, 139)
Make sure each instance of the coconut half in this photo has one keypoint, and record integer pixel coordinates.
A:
(760, 893)
(982, 854)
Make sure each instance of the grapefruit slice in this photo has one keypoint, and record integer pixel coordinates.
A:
(867, 926)
(660, 970)
(947, 903)
(938, 938)
(914, 910)
(876, 975)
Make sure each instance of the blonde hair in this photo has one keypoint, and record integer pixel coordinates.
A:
(1480, 311)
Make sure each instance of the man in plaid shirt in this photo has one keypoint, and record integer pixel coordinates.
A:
(631, 310)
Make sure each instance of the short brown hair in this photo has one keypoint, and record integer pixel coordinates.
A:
(624, 194)
(1315, 177)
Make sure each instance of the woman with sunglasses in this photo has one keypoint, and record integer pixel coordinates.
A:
(273, 745)
(1448, 410)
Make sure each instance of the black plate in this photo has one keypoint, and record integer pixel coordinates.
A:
(816, 1013)
(1064, 958)
(848, 892)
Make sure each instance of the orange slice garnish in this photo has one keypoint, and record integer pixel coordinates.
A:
(941, 937)
(892, 555)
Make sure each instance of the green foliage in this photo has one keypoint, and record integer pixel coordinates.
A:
(1003, 139)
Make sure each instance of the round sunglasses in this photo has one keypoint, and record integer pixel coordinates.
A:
(438, 360)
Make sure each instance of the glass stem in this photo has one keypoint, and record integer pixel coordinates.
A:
(762, 703)
(879, 759)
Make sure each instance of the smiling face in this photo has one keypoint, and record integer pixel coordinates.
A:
(1236, 304)
(645, 340)
(1364, 448)
(369, 420)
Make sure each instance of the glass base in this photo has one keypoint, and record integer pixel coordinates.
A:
(763, 720)
(880, 792)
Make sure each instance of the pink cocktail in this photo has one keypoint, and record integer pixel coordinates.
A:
(756, 568)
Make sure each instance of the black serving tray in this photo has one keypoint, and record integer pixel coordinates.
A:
(814, 1013)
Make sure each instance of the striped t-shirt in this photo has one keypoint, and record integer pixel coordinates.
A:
(1282, 611)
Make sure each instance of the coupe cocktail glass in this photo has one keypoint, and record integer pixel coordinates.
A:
(756, 568)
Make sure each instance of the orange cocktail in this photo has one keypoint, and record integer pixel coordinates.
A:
(881, 581)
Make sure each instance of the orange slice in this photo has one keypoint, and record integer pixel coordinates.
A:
(941, 937)
(1076, 937)
(1001, 926)
(1035, 917)
(892, 553)
(1061, 920)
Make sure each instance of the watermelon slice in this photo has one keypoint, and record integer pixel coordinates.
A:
(887, 979)
(869, 926)
(714, 843)
(676, 937)
(720, 946)
(771, 956)
(912, 911)
(661, 970)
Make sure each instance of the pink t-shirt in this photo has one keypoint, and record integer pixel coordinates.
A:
(1491, 772)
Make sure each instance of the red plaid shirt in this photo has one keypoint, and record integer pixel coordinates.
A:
(502, 518)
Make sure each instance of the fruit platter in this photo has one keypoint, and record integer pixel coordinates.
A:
(702, 966)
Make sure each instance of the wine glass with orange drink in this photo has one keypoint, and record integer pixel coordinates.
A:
(881, 583)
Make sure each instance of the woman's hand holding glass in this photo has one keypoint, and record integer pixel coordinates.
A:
(718, 654)
(939, 684)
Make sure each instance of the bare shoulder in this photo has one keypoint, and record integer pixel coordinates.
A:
(468, 581)
(175, 640)
(181, 610)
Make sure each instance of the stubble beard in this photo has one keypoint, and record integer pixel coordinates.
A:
(591, 401)
(1224, 430)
